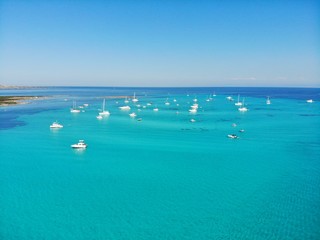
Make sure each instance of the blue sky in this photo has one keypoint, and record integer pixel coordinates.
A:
(160, 43)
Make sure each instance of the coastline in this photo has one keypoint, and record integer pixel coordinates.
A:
(17, 100)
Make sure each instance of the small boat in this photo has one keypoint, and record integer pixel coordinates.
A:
(104, 112)
(126, 100)
(268, 102)
(174, 100)
(193, 110)
(192, 120)
(195, 106)
(56, 125)
(167, 102)
(85, 104)
(99, 117)
(241, 130)
(74, 108)
(156, 109)
(243, 108)
(134, 99)
(238, 103)
(139, 119)
(125, 108)
(310, 101)
(233, 136)
(80, 145)
(229, 98)
(132, 115)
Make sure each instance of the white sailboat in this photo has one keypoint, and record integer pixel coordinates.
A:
(268, 102)
(126, 100)
(243, 108)
(74, 108)
(104, 112)
(134, 99)
(238, 103)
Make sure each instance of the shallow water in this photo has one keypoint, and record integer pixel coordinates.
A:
(163, 177)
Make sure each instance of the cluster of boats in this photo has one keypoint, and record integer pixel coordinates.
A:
(193, 109)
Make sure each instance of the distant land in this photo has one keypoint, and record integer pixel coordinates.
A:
(17, 87)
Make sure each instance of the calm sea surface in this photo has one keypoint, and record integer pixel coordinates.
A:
(160, 175)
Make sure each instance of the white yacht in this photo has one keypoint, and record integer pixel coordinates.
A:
(268, 102)
(233, 136)
(125, 108)
(134, 99)
(238, 103)
(309, 101)
(74, 108)
(167, 102)
(56, 125)
(104, 112)
(132, 115)
(80, 145)
(229, 98)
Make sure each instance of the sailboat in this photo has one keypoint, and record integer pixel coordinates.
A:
(243, 108)
(74, 108)
(134, 99)
(268, 102)
(126, 100)
(104, 112)
(238, 103)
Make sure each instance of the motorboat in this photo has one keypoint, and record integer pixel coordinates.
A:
(193, 110)
(56, 125)
(309, 101)
(132, 115)
(156, 109)
(192, 120)
(229, 98)
(125, 108)
(99, 117)
(233, 136)
(80, 145)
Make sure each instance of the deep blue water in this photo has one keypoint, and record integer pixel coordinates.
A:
(163, 177)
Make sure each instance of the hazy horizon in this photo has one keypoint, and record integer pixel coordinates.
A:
(160, 44)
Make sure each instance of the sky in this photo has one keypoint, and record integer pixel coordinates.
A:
(176, 43)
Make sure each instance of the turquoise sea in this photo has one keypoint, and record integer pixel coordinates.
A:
(163, 177)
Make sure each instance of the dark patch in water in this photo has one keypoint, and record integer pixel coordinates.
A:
(269, 115)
